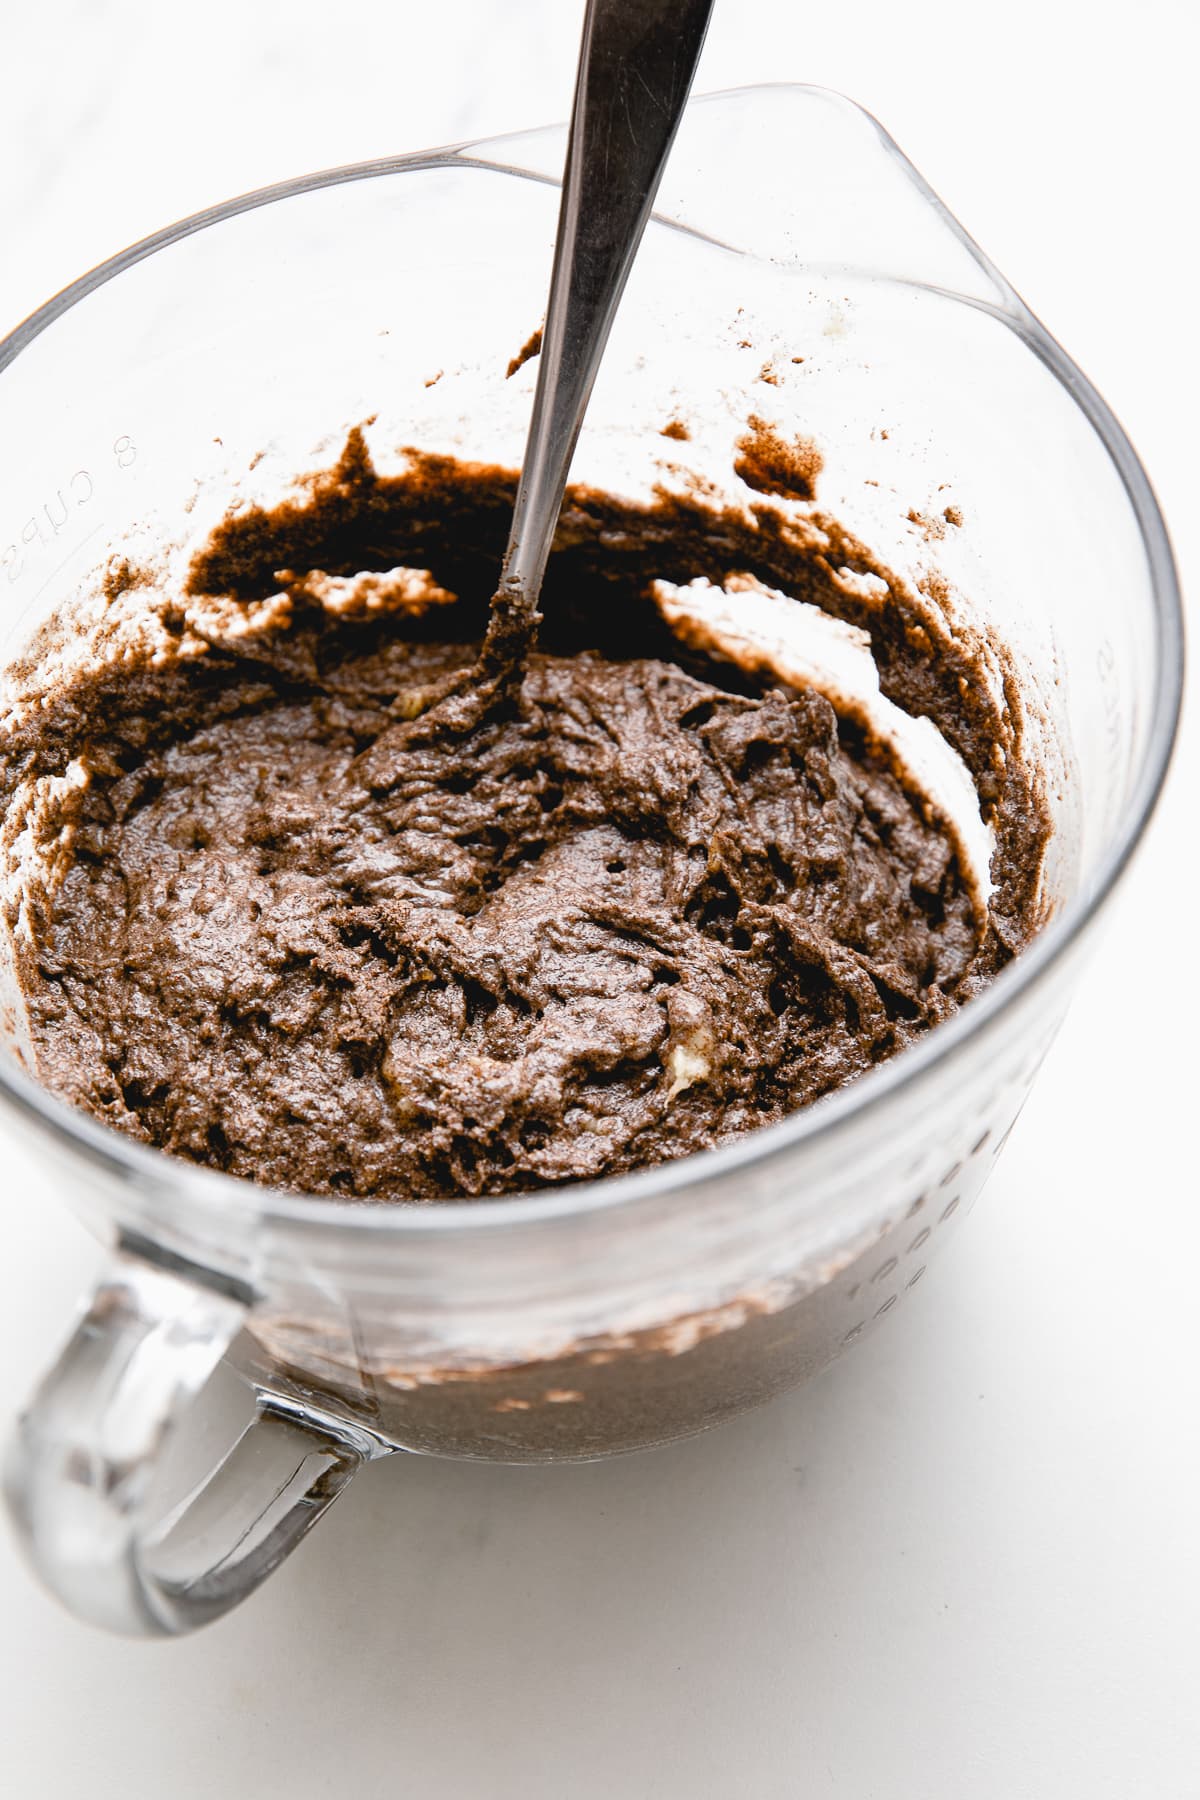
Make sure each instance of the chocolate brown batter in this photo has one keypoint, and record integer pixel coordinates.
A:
(350, 911)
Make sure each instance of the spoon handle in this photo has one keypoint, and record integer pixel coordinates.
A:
(636, 64)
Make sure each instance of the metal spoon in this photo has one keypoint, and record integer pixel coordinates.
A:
(636, 64)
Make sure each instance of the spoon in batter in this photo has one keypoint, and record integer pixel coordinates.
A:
(636, 64)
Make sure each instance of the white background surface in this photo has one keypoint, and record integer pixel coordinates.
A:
(963, 1564)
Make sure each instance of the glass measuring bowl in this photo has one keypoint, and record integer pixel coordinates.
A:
(800, 270)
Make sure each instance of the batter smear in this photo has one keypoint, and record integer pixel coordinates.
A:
(344, 907)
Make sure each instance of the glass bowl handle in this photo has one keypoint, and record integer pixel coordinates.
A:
(80, 1466)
